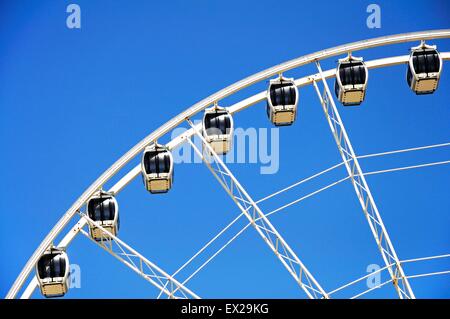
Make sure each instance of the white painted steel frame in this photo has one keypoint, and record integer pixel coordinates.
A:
(362, 189)
(177, 120)
(258, 219)
(177, 141)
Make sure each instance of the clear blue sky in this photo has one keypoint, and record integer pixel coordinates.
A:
(73, 101)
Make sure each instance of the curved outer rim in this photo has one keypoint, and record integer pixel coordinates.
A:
(180, 118)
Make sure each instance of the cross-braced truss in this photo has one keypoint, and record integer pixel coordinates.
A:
(362, 190)
(258, 220)
(138, 263)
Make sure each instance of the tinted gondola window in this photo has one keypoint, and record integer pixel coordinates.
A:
(282, 94)
(217, 123)
(51, 266)
(352, 73)
(157, 162)
(102, 208)
(426, 62)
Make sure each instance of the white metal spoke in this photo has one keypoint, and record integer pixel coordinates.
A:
(216, 253)
(265, 229)
(358, 280)
(425, 258)
(371, 289)
(396, 169)
(405, 150)
(445, 272)
(306, 196)
(362, 189)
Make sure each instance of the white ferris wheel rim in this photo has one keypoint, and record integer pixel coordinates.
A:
(198, 107)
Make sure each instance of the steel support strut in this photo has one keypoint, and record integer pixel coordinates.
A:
(362, 190)
(258, 220)
(138, 263)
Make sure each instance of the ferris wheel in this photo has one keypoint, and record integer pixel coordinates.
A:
(98, 209)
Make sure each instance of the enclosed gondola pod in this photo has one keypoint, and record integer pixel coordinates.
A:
(282, 101)
(103, 209)
(52, 272)
(351, 80)
(157, 168)
(424, 69)
(217, 129)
